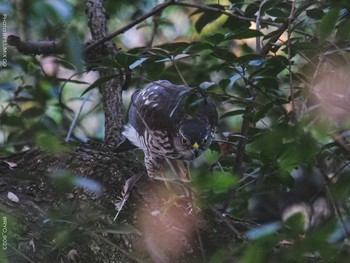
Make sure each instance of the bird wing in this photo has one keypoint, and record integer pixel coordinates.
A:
(153, 106)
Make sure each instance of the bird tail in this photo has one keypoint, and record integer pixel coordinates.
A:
(124, 146)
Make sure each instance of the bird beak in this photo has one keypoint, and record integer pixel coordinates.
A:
(195, 147)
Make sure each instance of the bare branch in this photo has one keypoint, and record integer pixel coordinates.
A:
(35, 47)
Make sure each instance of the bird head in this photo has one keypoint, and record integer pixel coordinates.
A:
(194, 137)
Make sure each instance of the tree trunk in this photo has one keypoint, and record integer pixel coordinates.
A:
(111, 90)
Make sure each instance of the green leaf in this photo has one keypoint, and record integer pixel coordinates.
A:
(327, 24)
(153, 69)
(162, 53)
(66, 64)
(244, 34)
(11, 120)
(256, 62)
(247, 59)
(53, 11)
(254, 254)
(276, 12)
(218, 182)
(206, 85)
(232, 113)
(297, 221)
(124, 60)
(33, 112)
(251, 10)
(315, 13)
(261, 113)
(98, 83)
(223, 181)
(233, 80)
(223, 53)
(215, 38)
(236, 24)
(49, 142)
(137, 63)
(267, 82)
(74, 50)
(31, 67)
(343, 32)
(269, 4)
(174, 48)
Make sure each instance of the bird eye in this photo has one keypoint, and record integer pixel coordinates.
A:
(205, 141)
(184, 141)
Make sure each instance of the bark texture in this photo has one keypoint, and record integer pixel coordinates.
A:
(111, 90)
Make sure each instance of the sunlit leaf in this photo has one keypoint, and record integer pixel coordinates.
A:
(49, 142)
(137, 63)
(206, 18)
(232, 113)
(206, 85)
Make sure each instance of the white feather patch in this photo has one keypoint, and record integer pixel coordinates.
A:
(132, 135)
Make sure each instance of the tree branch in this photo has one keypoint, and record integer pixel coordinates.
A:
(35, 47)
(214, 9)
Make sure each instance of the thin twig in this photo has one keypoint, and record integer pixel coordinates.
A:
(74, 122)
(237, 168)
(291, 89)
(227, 222)
(330, 198)
(179, 72)
(219, 10)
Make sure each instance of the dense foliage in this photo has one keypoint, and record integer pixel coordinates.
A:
(278, 73)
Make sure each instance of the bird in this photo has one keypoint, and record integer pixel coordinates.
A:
(162, 126)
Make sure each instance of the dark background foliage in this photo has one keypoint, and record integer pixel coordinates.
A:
(278, 72)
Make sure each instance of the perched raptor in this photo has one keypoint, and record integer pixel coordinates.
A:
(160, 125)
